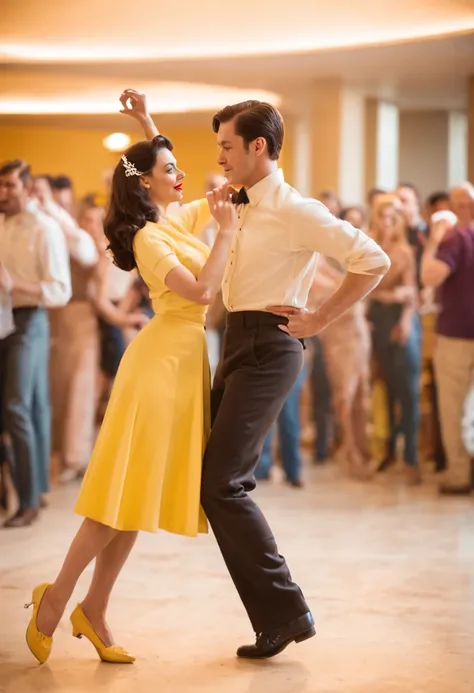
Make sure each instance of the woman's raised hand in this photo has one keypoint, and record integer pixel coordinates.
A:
(134, 104)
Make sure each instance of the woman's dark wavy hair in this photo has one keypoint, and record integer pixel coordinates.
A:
(130, 205)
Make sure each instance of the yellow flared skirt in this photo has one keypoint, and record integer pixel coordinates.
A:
(145, 470)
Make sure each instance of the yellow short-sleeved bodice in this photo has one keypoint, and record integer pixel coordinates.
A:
(145, 470)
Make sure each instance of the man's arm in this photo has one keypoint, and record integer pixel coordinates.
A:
(318, 230)
(80, 244)
(435, 270)
(55, 284)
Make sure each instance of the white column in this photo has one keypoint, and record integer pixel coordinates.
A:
(352, 150)
(387, 146)
(381, 144)
(457, 148)
(302, 154)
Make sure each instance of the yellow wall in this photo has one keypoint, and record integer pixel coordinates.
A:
(81, 155)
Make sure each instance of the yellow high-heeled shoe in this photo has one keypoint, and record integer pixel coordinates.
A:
(39, 644)
(82, 626)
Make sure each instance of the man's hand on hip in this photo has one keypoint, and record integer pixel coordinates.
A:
(301, 322)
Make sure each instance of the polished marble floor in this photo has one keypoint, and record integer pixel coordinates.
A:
(388, 572)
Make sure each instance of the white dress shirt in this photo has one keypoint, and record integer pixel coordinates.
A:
(33, 249)
(278, 240)
(80, 244)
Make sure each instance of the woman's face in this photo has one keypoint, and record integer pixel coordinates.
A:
(355, 217)
(385, 222)
(165, 181)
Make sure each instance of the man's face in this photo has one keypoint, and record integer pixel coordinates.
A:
(64, 198)
(237, 162)
(92, 221)
(409, 204)
(13, 196)
(42, 190)
(462, 204)
(440, 206)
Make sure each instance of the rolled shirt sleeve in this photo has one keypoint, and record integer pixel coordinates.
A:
(155, 253)
(55, 279)
(320, 231)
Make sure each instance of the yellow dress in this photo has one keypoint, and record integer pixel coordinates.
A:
(145, 470)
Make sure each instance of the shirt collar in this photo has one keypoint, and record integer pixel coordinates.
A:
(260, 189)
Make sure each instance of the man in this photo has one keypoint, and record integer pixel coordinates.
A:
(80, 244)
(34, 269)
(63, 192)
(448, 263)
(270, 269)
(437, 202)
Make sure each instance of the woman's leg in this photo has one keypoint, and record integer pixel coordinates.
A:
(408, 369)
(342, 369)
(385, 353)
(360, 416)
(91, 539)
(108, 566)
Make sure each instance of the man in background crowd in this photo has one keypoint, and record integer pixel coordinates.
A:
(448, 263)
(34, 270)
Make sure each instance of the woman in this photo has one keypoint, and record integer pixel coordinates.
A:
(346, 345)
(145, 470)
(396, 336)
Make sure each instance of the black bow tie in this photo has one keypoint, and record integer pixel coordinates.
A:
(241, 197)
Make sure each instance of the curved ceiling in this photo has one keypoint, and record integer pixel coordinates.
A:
(76, 56)
(26, 92)
(63, 30)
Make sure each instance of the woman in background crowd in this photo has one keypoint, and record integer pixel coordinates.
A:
(396, 336)
(346, 346)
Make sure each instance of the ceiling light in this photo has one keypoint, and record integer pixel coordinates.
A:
(116, 142)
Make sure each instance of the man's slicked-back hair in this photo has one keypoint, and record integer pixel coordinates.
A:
(19, 165)
(254, 119)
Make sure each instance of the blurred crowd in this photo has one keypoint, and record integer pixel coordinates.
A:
(389, 381)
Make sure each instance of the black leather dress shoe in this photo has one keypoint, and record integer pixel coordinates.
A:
(273, 642)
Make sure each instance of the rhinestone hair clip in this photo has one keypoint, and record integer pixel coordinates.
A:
(130, 169)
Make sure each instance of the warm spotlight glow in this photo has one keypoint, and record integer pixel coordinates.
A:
(163, 97)
(116, 142)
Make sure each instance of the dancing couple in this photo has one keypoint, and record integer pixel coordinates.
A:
(171, 454)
